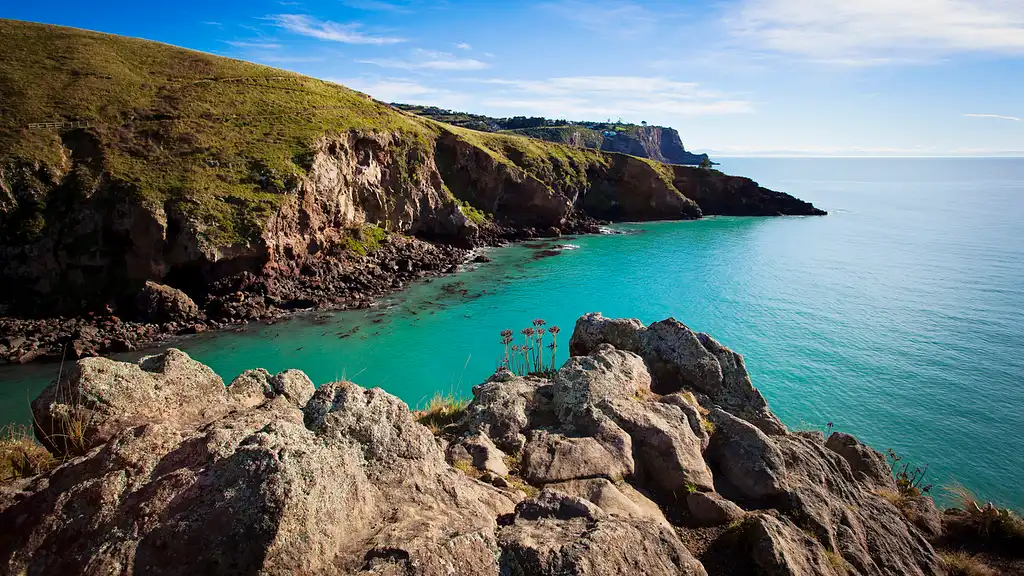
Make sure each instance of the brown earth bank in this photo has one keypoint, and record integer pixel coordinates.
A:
(648, 452)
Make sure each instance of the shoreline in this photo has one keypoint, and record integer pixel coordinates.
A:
(31, 340)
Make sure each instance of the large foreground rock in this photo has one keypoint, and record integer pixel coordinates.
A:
(588, 472)
(681, 359)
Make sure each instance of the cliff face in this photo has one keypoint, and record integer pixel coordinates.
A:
(654, 142)
(649, 452)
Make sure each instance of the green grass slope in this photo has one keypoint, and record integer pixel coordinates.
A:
(219, 139)
(172, 122)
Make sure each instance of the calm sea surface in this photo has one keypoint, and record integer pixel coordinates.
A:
(899, 317)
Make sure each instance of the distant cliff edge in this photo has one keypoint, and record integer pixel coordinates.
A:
(658, 143)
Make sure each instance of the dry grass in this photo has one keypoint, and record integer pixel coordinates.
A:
(442, 410)
(963, 564)
(986, 521)
(21, 456)
(838, 564)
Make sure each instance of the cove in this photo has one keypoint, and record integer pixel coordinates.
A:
(898, 318)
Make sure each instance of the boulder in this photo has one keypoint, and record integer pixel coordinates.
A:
(710, 509)
(480, 451)
(594, 329)
(554, 457)
(605, 374)
(615, 499)
(100, 397)
(745, 458)
(556, 534)
(362, 490)
(251, 388)
(680, 359)
(160, 304)
(505, 405)
(667, 453)
(868, 464)
(780, 548)
(293, 385)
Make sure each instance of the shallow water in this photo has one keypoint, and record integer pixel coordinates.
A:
(899, 317)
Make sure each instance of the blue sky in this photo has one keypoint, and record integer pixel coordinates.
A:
(736, 77)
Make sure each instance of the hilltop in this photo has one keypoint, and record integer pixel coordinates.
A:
(655, 142)
(181, 191)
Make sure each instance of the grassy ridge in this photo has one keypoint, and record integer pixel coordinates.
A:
(221, 136)
(216, 139)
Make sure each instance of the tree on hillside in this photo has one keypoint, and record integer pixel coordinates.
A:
(706, 163)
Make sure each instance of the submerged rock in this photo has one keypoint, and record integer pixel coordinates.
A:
(590, 472)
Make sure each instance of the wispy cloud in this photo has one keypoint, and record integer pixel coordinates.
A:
(607, 17)
(327, 30)
(595, 97)
(872, 32)
(401, 90)
(429, 60)
(996, 116)
(255, 45)
(463, 46)
(377, 6)
(212, 23)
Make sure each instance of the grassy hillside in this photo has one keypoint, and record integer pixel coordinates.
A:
(219, 139)
(174, 123)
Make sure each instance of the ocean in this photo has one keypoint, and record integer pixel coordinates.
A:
(898, 318)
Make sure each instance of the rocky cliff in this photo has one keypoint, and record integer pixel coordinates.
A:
(654, 142)
(648, 452)
(658, 143)
(250, 191)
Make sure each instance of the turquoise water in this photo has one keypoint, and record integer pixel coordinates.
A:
(899, 317)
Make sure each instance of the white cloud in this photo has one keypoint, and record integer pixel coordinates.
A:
(326, 30)
(633, 98)
(996, 116)
(607, 17)
(258, 45)
(377, 6)
(463, 46)
(429, 60)
(871, 32)
(400, 90)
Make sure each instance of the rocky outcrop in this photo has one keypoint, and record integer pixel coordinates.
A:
(589, 472)
(655, 142)
(722, 195)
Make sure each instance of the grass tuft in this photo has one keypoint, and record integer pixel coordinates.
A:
(21, 456)
(838, 564)
(963, 564)
(441, 411)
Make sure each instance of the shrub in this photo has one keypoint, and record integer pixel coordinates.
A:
(365, 240)
(910, 483)
(21, 456)
(963, 564)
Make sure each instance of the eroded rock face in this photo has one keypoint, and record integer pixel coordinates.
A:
(353, 485)
(680, 359)
(588, 473)
(556, 534)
